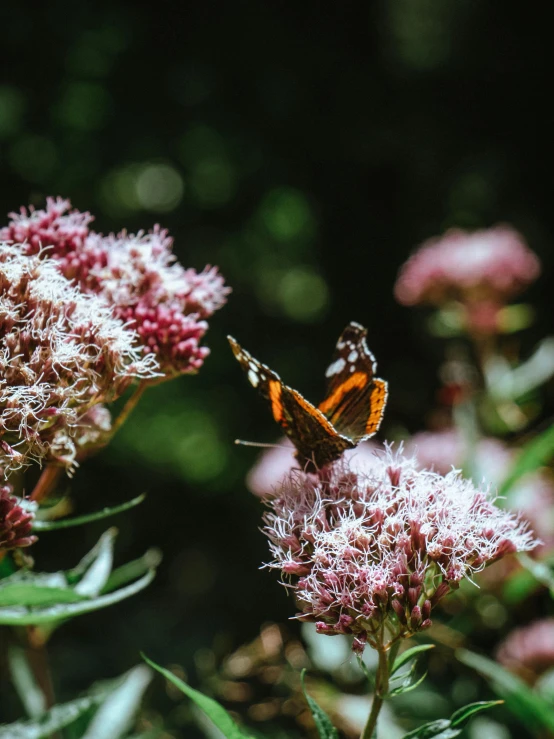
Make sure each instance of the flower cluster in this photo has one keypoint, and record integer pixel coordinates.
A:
(529, 649)
(481, 270)
(374, 551)
(494, 262)
(61, 353)
(136, 275)
(490, 459)
(15, 522)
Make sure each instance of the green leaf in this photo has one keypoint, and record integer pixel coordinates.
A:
(24, 682)
(30, 598)
(97, 574)
(322, 721)
(55, 719)
(408, 655)
(369, 676)
(27, 594)
(76, 574)
(132, 570)
(209, 706)
(87, 518)
(540, 571)
(463, 714)
(116, 715)
(6, 566)
(26, 616)
(528, 706)
(432, 729)
(408, 685)
(448, 728)
(533, 455)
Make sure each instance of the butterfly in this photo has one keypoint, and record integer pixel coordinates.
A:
(351, 412)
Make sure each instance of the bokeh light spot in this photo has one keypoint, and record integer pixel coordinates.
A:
(212, 182)
(118, 190)
(211, 177)
(287, 215)
(159, 188)
(303, 294)
(33, 157)
(12, 105)
(84, 106)
(187, 444)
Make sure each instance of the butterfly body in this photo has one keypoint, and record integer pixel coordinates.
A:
(350, 413)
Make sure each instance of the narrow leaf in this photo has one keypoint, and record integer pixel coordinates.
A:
(463, 714)
(409, 686)
(408, 655)
(115, 716)
(540, 571)
(27, 594)
(22, 616)
(322, 721)
(132, 570)
(209, 706)
(55, 719)
(77, 573)
(29, 693)
(98, 573)
(87, 518)
(533, 455)
(530, 707)
(432, 729)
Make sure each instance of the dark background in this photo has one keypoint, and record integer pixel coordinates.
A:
(305, 148)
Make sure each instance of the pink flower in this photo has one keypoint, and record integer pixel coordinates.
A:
(275, 464)
(529, 650)
(61, 352)
(57, 226)
(376, 550)
(490, 459)
(136, 275)
(165, 303)
(15, 523)
(483, 267)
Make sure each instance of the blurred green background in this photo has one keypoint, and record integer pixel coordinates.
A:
(305, 148)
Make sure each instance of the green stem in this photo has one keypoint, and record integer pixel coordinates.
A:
(381, 690)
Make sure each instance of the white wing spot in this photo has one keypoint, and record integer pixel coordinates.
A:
(253, 377)
(340, 345)
(353, 356)
(352, 367)
(335, 367)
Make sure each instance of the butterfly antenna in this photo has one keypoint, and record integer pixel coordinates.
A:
(260, 444)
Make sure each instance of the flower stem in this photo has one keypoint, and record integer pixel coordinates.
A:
(381, 690)
(46, 482)
(128, 407)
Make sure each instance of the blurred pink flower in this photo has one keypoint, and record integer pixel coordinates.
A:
(137, 275)
(15, 523)
(490, 459)
(445, 449)
(529, 650)
(376, 550)
(482, 268)
(275, 464)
